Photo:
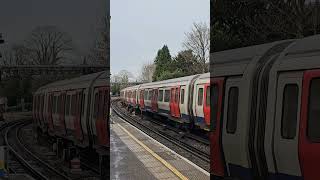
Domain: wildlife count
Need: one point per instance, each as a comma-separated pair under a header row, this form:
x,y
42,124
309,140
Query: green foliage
x,y
184,64
237,23
187,63
162,62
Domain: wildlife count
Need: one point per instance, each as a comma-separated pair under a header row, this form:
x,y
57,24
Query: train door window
x,y
232,110
215,100
200,96
55,104
160,97
313,127
83,103
95,106
172,95
289,111
177,95
100,105
208,96
68,105
59,104
166,95
182,96
73,105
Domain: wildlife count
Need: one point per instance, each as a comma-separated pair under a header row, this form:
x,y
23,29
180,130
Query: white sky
x,y
140,27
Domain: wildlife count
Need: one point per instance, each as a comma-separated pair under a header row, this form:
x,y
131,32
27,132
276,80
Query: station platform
x,y
135,156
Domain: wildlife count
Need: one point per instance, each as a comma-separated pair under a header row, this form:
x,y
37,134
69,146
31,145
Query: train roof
x,y
302,54
169,81
236,61
79,82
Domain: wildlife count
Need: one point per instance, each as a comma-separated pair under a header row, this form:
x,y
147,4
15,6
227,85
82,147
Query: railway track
x,y
35,166
170,136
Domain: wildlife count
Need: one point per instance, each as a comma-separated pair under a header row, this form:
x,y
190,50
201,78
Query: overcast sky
x,y
140,27
78,18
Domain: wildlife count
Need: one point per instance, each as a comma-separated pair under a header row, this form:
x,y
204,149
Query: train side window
x,y
200,96
68,105
166,95
145,94
232,113
150,94
313,126
289,111
182,96
214,109
160,97
208,96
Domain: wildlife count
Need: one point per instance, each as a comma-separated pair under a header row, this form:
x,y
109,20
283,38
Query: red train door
x,y
217,163
101,122
77,118
172,100
142,99
309,135
154,100
206,106
176,102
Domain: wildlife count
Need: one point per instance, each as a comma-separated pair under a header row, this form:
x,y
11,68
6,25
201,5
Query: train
x,y
184,101
75,110
265,105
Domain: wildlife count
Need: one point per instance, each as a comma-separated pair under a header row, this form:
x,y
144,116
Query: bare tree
x,y
124,77
48,45
147,72
99,53
198,40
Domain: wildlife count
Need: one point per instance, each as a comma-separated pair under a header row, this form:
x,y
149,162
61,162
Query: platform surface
x,y
136,156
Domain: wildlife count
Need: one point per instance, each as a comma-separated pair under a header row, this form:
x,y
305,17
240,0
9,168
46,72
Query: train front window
x,y
232,113
313,126
200,96
289,111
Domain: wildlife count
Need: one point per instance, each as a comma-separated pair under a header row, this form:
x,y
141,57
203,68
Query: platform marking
x,y
164,162
185,159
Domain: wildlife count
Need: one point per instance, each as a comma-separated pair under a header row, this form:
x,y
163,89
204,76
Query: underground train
x,y
185,100
76,110
265,110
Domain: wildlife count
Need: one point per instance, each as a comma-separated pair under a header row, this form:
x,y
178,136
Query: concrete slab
x,y
132,147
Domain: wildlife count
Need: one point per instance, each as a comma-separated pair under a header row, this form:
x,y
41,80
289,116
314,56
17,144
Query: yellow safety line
x,y
169,166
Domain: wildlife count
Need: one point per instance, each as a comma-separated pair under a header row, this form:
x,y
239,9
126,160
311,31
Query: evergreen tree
x,y
163,62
